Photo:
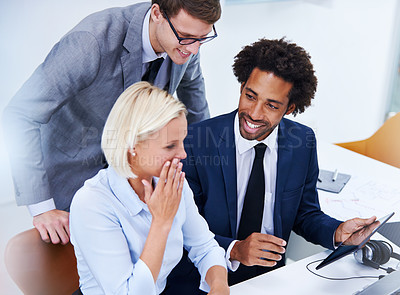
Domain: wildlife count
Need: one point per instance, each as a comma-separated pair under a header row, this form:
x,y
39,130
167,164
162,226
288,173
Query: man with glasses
x,y
55,121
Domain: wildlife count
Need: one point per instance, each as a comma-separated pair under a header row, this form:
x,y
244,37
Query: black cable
x,y
388,270
337,279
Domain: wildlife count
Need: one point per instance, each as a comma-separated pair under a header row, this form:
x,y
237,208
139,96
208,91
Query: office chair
x,y
383,145
39,268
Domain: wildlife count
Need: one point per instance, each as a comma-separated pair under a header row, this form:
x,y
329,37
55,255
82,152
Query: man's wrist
x,y
338,235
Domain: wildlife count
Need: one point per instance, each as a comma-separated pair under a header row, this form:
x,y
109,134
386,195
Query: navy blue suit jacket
x,y
210,169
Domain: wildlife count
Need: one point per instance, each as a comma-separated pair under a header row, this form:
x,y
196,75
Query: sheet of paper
x,y
364,198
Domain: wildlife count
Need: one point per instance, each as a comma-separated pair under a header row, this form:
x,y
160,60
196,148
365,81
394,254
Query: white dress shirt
x,y
109,226
244,162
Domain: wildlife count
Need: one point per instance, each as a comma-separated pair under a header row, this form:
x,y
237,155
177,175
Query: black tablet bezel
x,y
344,250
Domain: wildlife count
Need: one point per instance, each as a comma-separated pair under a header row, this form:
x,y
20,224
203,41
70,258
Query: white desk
x,y
373,189
296,279
368,176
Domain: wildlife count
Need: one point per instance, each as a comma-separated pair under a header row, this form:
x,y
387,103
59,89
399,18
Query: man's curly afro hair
x,y
285,60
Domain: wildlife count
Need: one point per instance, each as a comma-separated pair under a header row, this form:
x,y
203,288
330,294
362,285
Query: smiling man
x,y
263,102
264,184
54,123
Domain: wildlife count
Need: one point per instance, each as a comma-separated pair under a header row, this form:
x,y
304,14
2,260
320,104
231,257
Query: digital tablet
x,y
344,250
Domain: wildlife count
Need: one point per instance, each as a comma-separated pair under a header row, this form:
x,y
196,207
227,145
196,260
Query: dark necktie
x,y
152,71
253,205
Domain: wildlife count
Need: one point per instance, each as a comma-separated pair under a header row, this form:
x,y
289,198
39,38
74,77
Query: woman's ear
x,y
131,153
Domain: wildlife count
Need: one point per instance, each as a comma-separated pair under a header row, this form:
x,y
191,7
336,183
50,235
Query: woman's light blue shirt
x,y
109,225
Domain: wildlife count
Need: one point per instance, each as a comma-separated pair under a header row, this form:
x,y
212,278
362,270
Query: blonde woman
x,y
130,222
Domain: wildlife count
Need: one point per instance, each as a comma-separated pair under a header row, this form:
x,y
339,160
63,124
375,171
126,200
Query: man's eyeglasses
x,y
187,41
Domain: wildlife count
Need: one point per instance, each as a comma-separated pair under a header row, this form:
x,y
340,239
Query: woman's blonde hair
x,y
139,111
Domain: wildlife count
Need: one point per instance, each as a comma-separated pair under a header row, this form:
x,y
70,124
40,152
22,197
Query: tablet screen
x,y
344,250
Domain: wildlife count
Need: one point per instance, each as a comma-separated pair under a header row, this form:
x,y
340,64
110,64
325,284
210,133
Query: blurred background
x,y
354,45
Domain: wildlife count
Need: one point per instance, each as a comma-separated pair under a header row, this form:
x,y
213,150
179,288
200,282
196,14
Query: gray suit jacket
x,y
53,125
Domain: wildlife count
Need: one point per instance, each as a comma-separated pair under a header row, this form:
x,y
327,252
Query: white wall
x,y
352,48
350,41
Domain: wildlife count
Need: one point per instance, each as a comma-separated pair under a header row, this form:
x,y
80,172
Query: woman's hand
x,y
164,202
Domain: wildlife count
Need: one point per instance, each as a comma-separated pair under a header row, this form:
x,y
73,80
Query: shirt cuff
x,y
41,207
234,264
143,282
335,246
214,257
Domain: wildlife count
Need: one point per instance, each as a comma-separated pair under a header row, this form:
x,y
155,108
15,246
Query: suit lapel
x,y
285,154
132,61
227,154
177,72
